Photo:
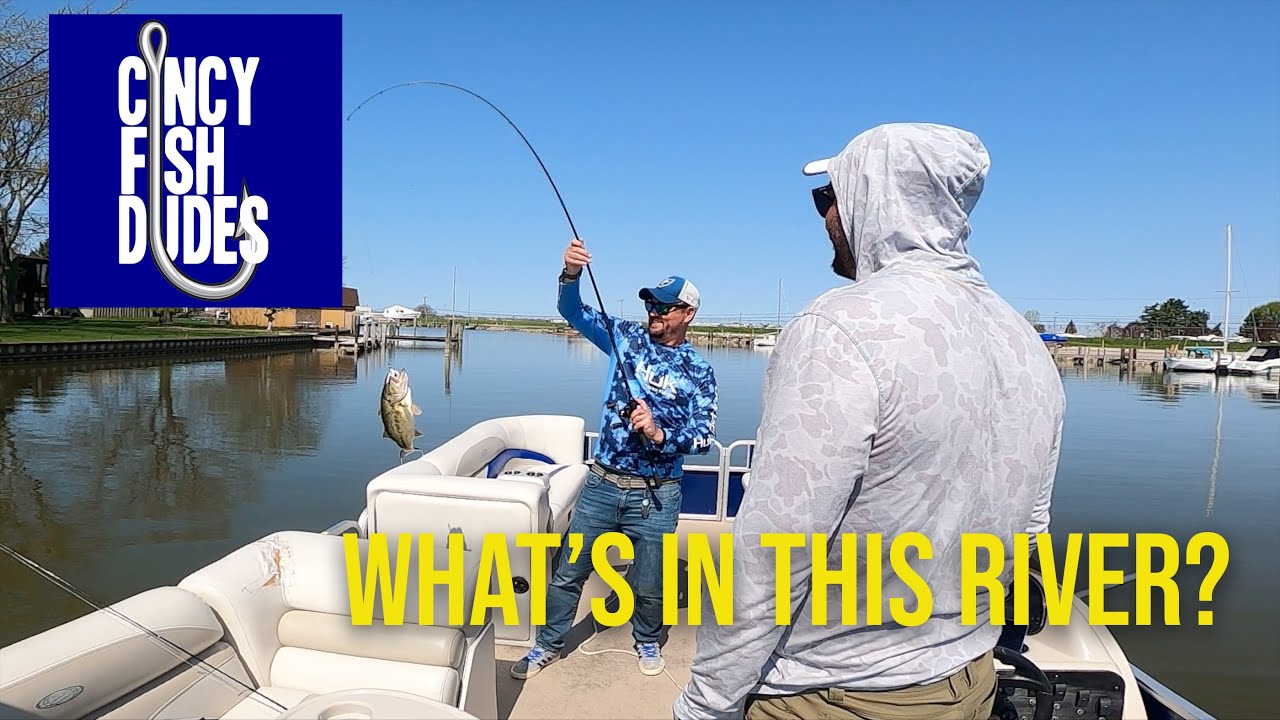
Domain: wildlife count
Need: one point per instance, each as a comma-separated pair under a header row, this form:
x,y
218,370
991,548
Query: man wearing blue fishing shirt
x,y
634,486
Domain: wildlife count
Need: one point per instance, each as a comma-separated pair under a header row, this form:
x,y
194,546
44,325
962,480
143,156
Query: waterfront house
x,y
342,319
33,285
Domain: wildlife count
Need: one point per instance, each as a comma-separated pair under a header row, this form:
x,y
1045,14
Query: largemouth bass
x,y
397,411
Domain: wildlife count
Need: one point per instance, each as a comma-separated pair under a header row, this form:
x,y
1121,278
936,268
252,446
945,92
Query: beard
x,y
843,264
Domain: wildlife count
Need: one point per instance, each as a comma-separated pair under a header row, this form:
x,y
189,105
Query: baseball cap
x,y
672,290
816,167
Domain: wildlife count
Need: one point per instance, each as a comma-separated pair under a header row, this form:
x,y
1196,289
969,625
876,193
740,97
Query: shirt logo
x,y
658,384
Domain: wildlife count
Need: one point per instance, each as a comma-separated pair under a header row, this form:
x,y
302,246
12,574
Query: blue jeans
x,y
604,507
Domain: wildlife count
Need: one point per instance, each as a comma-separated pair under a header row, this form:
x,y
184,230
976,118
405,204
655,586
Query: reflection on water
x,y
116,454
124,474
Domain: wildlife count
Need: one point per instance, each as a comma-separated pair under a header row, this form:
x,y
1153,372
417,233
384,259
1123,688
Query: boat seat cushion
x,y
318,672
98,658
253,707
325,632
556,437
286,604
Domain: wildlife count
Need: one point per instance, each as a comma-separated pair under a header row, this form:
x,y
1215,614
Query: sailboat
x,y
772,339
1202,359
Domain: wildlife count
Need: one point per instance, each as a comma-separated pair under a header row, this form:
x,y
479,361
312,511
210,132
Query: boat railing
x,y
725,474
711,491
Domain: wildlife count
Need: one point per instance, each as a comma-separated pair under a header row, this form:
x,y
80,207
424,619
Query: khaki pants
x,y
969,694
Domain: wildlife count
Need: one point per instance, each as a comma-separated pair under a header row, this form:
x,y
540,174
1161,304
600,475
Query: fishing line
x,y
177,650
631,402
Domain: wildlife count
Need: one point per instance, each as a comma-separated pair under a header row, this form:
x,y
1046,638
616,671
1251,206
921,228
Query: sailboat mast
x,y
1226,309
779,303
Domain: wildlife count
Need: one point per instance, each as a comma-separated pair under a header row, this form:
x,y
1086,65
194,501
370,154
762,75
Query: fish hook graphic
x,y
154,59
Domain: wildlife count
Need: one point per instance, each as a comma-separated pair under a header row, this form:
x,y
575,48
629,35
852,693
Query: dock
x,y
452,337
370,336
366,337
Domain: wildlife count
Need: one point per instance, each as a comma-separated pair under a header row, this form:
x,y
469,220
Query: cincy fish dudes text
x,y
194,141
384,576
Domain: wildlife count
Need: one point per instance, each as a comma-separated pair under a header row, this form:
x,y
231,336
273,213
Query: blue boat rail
x,y
710,492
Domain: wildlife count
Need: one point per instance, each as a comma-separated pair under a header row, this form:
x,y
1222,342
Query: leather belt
x,y
625,481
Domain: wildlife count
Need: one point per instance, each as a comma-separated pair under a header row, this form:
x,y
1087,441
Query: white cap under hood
x,y
905,192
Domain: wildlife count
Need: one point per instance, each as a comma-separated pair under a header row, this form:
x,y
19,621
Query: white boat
x,y
1197,359
772,339
1260,360
267,631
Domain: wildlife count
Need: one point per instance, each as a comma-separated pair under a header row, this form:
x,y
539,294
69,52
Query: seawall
x,y
73,349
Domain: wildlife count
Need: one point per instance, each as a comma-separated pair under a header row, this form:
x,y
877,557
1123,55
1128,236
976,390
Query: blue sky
x,y
1124,138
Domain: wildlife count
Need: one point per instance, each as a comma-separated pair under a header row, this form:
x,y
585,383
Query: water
x,y
124,474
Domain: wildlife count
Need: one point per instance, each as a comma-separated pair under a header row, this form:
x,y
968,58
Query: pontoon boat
x,y
267,631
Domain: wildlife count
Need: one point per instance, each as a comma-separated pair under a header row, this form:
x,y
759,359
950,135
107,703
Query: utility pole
x,y
621,313
453,302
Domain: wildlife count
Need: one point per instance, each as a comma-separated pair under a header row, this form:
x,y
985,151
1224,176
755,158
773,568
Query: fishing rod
x,y
631,400
177,650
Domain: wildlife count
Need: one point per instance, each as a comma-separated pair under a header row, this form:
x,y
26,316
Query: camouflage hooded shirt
x,y
676,383
914,400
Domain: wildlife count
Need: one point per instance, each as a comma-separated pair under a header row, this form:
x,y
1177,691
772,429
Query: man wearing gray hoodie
x,y
914,400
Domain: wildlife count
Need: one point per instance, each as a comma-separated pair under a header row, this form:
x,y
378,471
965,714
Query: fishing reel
x,y
624,411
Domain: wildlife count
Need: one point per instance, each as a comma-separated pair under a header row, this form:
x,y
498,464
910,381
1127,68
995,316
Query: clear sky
x,y
1124,138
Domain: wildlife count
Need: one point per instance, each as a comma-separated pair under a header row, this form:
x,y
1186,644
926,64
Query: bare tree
x,y
24,141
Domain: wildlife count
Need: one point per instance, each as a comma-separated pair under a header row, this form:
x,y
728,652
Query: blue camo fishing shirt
x,y
678,385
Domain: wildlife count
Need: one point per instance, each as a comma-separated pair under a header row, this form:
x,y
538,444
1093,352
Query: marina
x,y
299,458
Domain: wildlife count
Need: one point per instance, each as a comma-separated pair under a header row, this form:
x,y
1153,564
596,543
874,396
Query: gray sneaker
x,y
651,662
533,663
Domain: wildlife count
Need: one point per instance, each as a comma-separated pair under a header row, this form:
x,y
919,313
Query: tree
x,y
1262,324
166,314
1071,328
1173,317
24,142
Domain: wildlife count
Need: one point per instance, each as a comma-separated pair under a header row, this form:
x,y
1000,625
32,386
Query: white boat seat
x,y
100,664
556,439
506,477
287,608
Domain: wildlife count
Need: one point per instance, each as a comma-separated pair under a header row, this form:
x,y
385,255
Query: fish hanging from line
x,y
397,411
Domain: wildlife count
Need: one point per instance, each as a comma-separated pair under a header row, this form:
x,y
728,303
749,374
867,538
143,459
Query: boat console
x,y
1059,672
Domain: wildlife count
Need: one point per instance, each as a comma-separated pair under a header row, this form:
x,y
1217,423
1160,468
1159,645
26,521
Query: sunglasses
x,y
659,308
823,198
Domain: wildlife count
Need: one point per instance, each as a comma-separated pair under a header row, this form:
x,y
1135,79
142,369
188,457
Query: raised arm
x,y
584,319
820,413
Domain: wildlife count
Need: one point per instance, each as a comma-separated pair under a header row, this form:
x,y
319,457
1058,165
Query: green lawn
x,y
73,329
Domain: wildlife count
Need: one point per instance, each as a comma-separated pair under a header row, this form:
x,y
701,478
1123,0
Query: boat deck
x,y
605,686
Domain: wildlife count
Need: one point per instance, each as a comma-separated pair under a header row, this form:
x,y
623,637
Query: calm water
x,y
120,475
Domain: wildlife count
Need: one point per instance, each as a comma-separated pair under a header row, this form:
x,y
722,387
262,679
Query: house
x,y
342,318
400,312
33,285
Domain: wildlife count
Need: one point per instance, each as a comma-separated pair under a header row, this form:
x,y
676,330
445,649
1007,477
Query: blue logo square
x,y
246,113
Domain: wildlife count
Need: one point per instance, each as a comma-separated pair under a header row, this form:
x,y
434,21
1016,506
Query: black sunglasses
x,y
823,198
659,308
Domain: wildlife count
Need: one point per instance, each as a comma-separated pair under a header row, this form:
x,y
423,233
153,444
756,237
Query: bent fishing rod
x,y
178,651
631,400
